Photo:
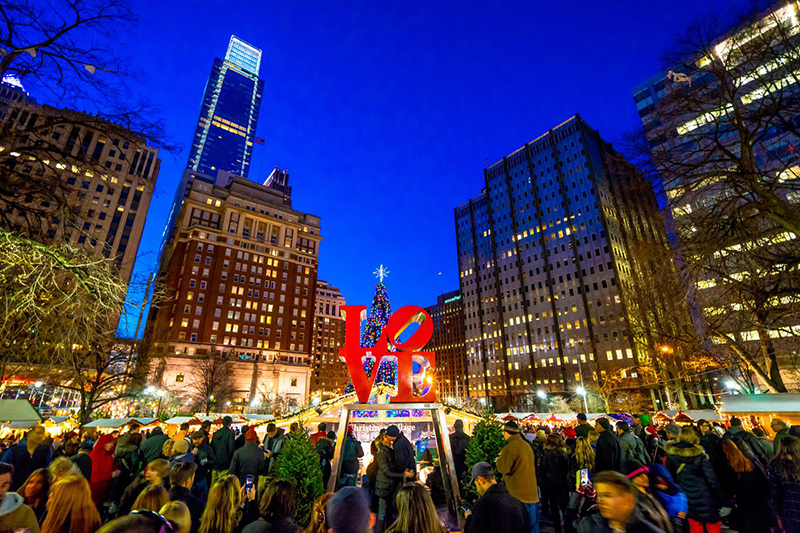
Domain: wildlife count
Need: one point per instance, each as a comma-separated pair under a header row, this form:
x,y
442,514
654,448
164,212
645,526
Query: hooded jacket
x,y
694,474
249,460
633,447
14,514
153,447
102,466
608,453
458,443
224,444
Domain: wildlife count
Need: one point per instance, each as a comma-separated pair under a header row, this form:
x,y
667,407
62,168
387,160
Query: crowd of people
x,y
601,477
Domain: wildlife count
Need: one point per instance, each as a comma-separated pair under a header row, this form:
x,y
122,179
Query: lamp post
x,y
582,392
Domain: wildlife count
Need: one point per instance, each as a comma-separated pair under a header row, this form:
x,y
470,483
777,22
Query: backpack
x,y
674,504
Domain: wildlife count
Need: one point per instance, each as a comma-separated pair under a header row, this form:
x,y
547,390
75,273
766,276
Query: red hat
x,y
570,433
651,430
251,435
349,430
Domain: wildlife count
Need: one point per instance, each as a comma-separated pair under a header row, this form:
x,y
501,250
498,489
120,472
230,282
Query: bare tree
x,y
211,383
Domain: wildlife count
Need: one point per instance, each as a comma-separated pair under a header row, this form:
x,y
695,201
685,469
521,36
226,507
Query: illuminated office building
x,y
448,344
329,371
544,255
226,129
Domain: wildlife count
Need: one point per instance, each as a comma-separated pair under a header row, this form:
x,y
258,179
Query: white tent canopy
x,y
761,403
18,411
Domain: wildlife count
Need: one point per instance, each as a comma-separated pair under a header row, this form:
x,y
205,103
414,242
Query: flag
x,y
259,140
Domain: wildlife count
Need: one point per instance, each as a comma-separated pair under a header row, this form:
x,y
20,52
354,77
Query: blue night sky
x,y
386,112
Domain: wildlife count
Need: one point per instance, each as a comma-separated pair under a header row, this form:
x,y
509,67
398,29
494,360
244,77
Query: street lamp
x,y
582,392
732,385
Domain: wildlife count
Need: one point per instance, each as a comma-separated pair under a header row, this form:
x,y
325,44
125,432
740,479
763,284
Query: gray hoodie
x,y
14,514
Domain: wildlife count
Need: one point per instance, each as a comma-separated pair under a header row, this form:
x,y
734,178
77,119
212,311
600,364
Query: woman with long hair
x,y
554,477
178,515
222,513
582,459
70,508
152,498
751,490
102,467
276,509
415,511
36,490
319,521
784,477
62,467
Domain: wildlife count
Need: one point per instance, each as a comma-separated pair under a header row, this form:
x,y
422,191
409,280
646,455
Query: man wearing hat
x,y
608,452
223,443
517,464
249,460
496,511
204,458
584,428
648,504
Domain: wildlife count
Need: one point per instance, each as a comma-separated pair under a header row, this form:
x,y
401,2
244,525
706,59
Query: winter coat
x,y
223,443
694,474
778,436
279,525
652,510
458,443
633,447
404,454
249,460
583,429
14,514
555,473
351,453
785,498
324,449
152,448
131,493
102,467
318,435
766,447
751,500
608,453
518,466
435,484
748,444
84,463
709,442
497,512
389,476
274,445
595,523
25,463
204,458
195,504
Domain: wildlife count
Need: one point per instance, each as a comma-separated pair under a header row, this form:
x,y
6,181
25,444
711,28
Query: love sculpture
x,y
354,354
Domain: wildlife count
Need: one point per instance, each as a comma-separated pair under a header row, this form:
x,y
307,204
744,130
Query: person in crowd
x,y
62,467
388,479
167,451
249,460
102,456
325,449
708,438
649,506
204,457
205,427
153,447
652,443
496,511
784,477
319,514
126,460
28,455
224,444
152,498
372,469
154,474
181,478
690,468
276,509
570,437
14,513
322,433
351,453
83,460
608,451
618,511
537,445
781,429
36,490
70,508
181,453
764,443
459,441
404,453
68,446
584,428
582,459
178,515
746,441
349,512
638,428
669,495
139,522
435,486
554,478
518,466
273,444
632,446
223,513
751,491
415,511
183,433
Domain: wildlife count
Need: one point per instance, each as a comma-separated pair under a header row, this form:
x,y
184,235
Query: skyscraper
x,y
546,268
226,129
448,345
330,374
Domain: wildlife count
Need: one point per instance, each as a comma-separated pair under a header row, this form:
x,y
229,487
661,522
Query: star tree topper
x,y
381,273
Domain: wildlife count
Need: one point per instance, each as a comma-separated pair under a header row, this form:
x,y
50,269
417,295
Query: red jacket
x,y
102,467
316,436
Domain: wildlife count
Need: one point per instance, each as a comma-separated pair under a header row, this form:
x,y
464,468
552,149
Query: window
x,y
294,382
179,378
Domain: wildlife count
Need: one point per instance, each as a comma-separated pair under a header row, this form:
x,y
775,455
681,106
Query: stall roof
x,y
761,403
181,420
697,414
18,411
118,422
22,424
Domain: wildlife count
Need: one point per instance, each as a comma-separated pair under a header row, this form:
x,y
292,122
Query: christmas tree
x,y
379,314
485,445
298,463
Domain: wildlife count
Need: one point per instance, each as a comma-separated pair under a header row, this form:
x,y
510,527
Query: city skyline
x,y
346,159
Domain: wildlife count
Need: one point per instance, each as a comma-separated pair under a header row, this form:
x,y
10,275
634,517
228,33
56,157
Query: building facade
x,y
330,374
545,264
226,129
240,277
101,178
449,344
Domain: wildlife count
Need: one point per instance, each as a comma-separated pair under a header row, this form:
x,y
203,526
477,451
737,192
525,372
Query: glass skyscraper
x,y
226,128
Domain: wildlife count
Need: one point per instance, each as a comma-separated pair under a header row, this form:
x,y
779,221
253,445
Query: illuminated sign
x,y
407,353
453,299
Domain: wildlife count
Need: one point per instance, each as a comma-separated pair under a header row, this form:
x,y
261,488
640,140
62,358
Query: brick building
x,y
449,344
330,374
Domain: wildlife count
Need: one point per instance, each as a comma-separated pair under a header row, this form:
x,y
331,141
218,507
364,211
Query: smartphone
x,y
583,477
248,483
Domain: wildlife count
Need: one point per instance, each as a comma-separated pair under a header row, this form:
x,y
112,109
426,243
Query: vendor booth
x,y
759,409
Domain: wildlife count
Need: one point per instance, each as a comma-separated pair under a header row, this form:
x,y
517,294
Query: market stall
x,y
107,425
17,417
759,409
